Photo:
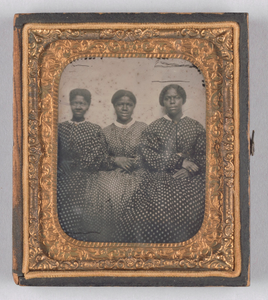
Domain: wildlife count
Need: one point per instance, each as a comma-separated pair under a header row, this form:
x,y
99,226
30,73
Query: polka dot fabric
x,y
124,141
166,209
80,154
109,193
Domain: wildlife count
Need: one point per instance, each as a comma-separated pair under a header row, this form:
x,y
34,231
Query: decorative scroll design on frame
x,y
50,51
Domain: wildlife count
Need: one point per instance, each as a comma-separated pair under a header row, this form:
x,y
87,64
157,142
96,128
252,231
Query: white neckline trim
x,y
73,122
168,118
126,126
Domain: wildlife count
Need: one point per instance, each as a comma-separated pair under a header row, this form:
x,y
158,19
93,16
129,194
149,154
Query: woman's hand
x,y
182,173
190,166
125,163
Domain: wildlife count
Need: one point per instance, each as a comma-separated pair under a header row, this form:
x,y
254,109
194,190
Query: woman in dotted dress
x,y
80,154
169,205
107,197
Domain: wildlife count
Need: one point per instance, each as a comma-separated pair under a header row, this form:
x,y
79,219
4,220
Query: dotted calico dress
x,y
166,209
80,154
110,192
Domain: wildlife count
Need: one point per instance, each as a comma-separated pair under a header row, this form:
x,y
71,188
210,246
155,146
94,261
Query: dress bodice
x,y
81,143
124,141
163,140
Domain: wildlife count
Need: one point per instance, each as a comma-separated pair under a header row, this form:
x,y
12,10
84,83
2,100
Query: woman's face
x,y
79,107
173,102
124,108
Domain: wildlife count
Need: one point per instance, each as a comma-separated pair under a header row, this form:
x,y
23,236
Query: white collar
x,y
126,126
73,122
168,118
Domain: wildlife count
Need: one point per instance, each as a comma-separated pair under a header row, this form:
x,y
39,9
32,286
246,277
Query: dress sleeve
x,y
59,157
64,162
138,157
93,152
199,157
155,155
108,162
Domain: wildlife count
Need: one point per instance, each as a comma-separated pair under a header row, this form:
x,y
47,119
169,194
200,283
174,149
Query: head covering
x,y
123,93
80,92
176,87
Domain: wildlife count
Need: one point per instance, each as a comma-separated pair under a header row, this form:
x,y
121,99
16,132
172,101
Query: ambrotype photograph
x,y
134,169
131,150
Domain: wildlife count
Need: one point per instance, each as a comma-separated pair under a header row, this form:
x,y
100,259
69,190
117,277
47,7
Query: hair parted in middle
x,y
180,90
80,92
123,93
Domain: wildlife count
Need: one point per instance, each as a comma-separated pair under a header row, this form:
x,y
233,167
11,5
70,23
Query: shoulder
x,y
108,128
140,125
157,126
94,129
159,123
191,122
92,125
63,125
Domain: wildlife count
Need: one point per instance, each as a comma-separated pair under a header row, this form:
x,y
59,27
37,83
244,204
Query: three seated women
x,y
148,182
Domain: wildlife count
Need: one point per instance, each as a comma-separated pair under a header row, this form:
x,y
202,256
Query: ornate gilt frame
x,y
47,48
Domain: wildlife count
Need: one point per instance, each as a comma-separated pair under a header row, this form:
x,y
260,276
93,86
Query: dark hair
x,y
80,92
176,87
123,93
